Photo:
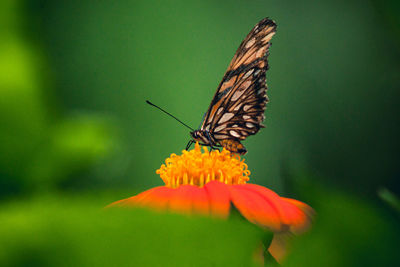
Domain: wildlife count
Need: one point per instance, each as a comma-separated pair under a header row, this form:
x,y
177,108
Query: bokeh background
x,y
76,133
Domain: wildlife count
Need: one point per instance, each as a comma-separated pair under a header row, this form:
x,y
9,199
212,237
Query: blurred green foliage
x,y
75,232
347,231
74,77
41,144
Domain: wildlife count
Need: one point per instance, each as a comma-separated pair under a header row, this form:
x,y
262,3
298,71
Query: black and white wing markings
x,y
237,108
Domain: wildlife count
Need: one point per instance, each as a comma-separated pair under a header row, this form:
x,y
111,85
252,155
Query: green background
x,y
75,128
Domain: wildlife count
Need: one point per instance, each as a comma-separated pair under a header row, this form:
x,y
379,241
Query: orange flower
x,y
208,183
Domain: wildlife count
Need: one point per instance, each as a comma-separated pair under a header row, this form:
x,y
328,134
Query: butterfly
x,y
237,108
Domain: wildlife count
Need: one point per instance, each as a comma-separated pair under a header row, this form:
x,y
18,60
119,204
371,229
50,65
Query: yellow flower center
x,y
197,168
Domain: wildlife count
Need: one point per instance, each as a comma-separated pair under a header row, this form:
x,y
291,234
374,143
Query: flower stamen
x,y
196,168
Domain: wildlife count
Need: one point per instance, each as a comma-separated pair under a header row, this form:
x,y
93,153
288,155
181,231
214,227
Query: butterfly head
x,y
201,136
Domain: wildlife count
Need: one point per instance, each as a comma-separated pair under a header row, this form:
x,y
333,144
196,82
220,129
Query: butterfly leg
x,y
211,144
189,144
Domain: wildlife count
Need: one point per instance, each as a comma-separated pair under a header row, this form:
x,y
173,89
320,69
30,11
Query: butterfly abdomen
x,y
233,146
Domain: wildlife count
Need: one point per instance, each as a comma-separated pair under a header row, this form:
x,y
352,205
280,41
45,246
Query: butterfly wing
x,y
237,108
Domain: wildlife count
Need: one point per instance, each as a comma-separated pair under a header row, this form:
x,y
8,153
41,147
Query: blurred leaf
x,y
347,232
73,145
9,17
389,198
49,232
269,260
40,148
23,115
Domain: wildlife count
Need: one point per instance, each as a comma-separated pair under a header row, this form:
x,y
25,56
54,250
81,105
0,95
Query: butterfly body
x,y
207,139
237,108
204,137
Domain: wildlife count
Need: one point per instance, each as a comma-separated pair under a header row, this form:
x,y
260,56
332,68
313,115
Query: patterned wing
x,y
237,109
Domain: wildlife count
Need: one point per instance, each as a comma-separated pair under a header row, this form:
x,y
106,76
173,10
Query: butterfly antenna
x,y
169,114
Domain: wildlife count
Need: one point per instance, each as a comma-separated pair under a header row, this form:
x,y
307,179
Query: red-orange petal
x,y
219,198
257,204
274,199
262,206
201,202
255,208
157,198
212,199
181,200
279,245
302,217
